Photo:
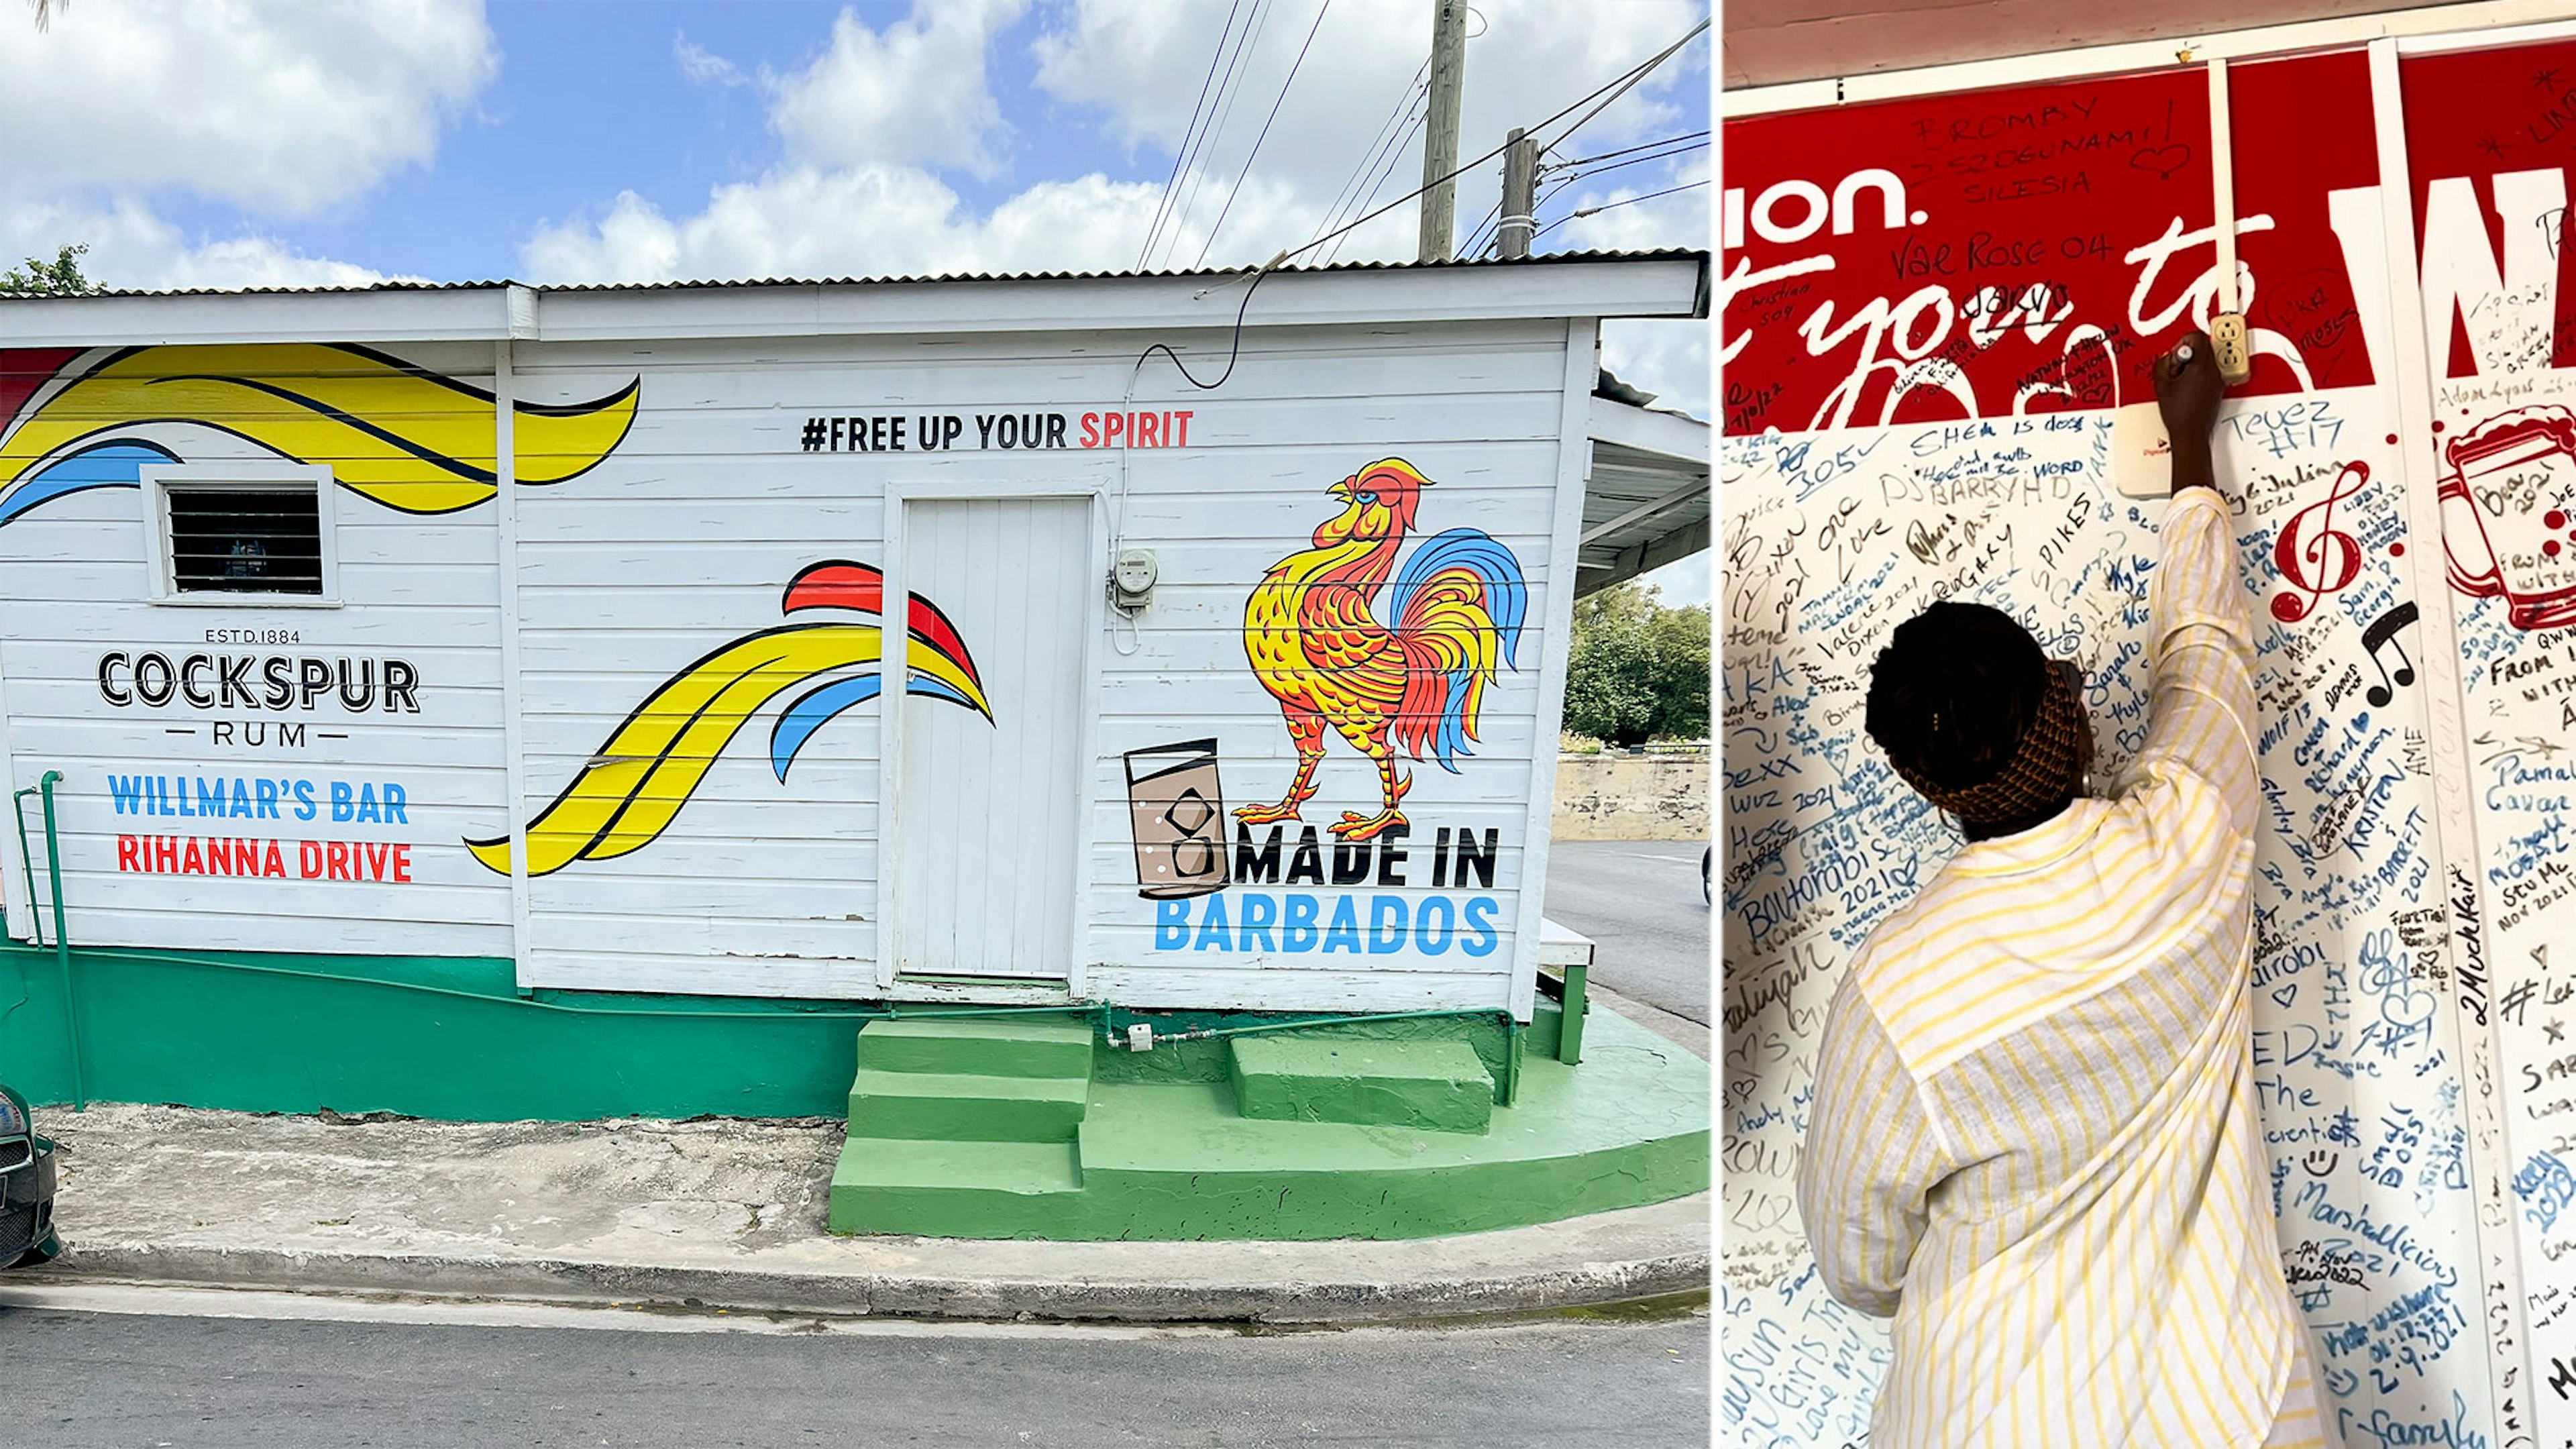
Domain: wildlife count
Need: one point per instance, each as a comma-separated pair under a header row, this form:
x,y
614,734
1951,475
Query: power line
x,y
1566,172
1571,173
1228,92
1348,193
1620,85
1385,173
1630,80
1253,279
1281,99
1701,136
1163,204
1370,178
1615,205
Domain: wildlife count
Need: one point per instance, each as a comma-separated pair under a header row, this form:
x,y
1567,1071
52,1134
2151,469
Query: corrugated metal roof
x,y
1668,254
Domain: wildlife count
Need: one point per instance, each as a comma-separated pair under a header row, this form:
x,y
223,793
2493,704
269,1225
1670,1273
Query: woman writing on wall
x,y
2034,1139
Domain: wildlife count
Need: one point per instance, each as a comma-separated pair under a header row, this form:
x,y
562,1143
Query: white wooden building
x,y
490,620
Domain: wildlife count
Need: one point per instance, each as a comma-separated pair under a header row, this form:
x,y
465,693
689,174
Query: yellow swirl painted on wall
x,y
634,786
408,438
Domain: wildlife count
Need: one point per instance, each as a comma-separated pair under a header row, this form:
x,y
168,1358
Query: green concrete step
x,y
953,1189
1001,1046
1174,1160
966,1106
1435,1086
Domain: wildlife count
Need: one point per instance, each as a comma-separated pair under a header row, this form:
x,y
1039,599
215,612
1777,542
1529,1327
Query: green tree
x,y
59,278
1678,642
1638,670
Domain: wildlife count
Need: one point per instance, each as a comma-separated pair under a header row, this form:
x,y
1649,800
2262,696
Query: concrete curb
x,y
1338,1283
728,1213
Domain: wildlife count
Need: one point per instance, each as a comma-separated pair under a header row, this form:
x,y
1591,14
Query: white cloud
x,y
131,247
1141,63
914,92
854,197
703,66
868,221
285,111
1666,358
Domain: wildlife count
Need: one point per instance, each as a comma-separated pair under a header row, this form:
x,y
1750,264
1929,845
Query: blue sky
x,y
192,144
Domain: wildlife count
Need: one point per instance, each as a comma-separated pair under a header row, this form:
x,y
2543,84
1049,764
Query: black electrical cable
x,y
1624,150
1234,352
1571,173
1626,164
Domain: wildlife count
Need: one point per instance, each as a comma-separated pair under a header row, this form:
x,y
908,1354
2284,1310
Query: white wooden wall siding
x,y
416,588
682,541
989,834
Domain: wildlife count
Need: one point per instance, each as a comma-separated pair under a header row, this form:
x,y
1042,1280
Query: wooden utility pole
x,y
1440,128
1520,195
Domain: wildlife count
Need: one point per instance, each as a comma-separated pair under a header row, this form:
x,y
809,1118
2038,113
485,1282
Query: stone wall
x,y
1632,797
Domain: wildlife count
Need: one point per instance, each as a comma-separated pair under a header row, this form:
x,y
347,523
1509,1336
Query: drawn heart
x,y
2162,160
2285,993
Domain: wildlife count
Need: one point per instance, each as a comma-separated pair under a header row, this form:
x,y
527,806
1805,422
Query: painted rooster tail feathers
x,y
1458,607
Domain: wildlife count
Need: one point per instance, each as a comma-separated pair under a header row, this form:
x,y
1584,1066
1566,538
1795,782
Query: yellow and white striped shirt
x,y
2033,1140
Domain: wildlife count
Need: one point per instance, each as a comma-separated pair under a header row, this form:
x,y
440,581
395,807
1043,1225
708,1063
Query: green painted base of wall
x,y
423,1036
451,1038
1165,1155
1146,1146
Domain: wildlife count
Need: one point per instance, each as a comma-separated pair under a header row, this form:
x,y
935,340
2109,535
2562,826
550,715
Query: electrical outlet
x,y
2227,335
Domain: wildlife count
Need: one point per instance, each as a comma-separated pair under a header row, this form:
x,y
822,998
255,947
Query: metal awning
x,y
1646,502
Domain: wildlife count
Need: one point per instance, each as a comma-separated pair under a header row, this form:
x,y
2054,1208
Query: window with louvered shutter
x,y
241,533
245,541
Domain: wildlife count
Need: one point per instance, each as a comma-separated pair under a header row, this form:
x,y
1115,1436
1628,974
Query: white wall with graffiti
x,y
1929,309
614,699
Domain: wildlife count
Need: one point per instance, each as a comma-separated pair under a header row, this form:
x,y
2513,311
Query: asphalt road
x,y
79,1378
1639,901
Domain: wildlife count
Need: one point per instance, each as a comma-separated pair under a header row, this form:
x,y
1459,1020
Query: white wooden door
x,y
988,832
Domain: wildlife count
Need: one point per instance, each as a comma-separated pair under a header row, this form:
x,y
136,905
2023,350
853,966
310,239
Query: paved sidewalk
x,y
728,1213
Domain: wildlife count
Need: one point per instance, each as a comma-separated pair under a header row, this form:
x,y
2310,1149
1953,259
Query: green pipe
x,y
423,988
1577,1001
1512,1061
1319,1021
856,1013
62,935
27,858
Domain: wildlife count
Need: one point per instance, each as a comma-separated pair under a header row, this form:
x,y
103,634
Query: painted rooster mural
x,y
1313,633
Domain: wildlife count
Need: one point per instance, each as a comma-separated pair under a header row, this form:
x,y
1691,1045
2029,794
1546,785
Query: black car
x,y
26,1187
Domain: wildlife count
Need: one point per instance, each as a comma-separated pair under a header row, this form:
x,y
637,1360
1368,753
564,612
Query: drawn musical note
x,y
2313,554
2382,634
